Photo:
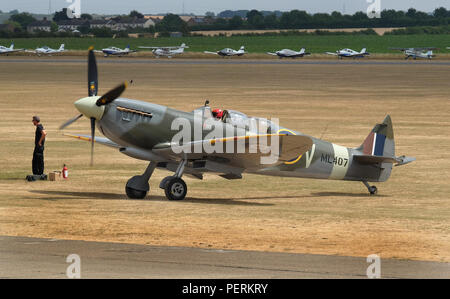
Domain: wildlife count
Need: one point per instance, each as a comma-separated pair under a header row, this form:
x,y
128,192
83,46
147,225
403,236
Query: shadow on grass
x,y
116,196
345,194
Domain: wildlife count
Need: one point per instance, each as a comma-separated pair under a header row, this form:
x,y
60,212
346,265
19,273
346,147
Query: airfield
x,y
339,101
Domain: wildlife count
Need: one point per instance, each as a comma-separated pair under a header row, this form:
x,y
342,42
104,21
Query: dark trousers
x,y
38,160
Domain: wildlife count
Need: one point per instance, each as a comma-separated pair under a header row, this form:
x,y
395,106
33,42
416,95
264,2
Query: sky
x,y
199,7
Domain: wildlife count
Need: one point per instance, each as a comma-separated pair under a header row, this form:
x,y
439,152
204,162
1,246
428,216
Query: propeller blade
x,y
112,94
92,74
92,139
70,121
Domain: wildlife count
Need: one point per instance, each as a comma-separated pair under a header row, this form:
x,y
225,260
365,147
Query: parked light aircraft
x,y
229,52
146,131
167,51
417,52
114,51
7,51
45,50
289,53
349,53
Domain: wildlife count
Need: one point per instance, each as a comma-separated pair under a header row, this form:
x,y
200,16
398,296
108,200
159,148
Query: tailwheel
x,y
175,188
372,189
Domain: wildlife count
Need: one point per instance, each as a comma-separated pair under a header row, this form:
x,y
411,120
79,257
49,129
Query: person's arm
x,y
42,137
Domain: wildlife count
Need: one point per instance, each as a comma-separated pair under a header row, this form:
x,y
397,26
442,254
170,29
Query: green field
x,y
253,44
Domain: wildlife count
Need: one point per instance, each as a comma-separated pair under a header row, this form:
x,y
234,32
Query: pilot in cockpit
x,y
217,113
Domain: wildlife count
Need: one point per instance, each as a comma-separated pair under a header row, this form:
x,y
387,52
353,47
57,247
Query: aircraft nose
x,y
87,106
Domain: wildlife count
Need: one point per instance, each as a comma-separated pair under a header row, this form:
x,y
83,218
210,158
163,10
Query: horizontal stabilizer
x,y
368,159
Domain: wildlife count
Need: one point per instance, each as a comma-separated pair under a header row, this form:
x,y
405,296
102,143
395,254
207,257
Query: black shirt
x,y
39,129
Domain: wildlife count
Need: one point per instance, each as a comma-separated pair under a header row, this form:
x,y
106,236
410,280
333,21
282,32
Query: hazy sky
x,y
202,6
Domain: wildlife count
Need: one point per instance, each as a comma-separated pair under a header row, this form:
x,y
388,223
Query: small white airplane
x,y
289,53
7,51
229,52
114,51
167,51
349,53
47,50
417,52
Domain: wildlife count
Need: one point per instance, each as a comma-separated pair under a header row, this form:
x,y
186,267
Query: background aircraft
x,y
229,52
289,53
167,51
47,50
417,52
142,130
114,51
349,53
6,51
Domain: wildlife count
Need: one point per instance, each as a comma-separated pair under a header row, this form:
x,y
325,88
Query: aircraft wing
x,y
164,48
270,53
290,147
208,52
100,140
331,53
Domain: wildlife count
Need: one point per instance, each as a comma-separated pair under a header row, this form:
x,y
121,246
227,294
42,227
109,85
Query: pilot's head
x,y
217,113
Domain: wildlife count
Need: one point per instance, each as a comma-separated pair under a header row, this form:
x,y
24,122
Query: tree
x,y
441,12
172,23
235,22
60,15
210,14
24,19
136,14
255,19
86,16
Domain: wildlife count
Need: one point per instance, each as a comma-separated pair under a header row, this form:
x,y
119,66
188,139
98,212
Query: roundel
x,y
289,132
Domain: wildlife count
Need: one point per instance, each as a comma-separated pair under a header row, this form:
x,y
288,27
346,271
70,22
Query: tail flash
x,y
380,141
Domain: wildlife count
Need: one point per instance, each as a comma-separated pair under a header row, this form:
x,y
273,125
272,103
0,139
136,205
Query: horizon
x,y
186,7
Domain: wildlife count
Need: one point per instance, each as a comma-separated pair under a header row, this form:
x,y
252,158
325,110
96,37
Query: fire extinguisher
x,y
65,172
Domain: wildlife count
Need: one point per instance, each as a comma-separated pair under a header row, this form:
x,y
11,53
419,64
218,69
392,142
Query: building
x,y
71,25
43,25
128,23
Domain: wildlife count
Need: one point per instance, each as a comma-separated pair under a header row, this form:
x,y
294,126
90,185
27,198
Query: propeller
x,y
91,106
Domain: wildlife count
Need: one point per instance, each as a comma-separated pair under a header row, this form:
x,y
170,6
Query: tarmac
x,y
24,257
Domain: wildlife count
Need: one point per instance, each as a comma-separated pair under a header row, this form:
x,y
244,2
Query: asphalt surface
x,y
224,61
23,257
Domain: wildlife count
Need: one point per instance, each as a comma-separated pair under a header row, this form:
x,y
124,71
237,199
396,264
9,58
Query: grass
x,y
409,219
254,44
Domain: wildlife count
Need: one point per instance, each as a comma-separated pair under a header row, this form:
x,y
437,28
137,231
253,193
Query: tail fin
x,y
302,51
242,48
364,50
183,45
380,141
128,47
61,48
12,46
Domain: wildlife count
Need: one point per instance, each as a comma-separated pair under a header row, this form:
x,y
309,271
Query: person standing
x,y
39,140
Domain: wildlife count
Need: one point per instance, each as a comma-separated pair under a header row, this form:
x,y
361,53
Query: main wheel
x,y
373,190
135,194
175,189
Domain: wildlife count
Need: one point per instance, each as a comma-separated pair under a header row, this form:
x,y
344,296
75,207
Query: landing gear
x,y
174,186
137,187
372,189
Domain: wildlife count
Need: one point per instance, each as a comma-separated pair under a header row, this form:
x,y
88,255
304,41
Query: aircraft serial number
x,y
338,161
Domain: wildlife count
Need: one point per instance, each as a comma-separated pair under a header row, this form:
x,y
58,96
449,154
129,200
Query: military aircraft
x,y
45,50
7,51
417,52
114,51
228,52
167,51
146,131
349,53
289,53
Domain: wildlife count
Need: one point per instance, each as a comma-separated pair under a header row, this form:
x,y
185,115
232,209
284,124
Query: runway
x,y
223,61
23,257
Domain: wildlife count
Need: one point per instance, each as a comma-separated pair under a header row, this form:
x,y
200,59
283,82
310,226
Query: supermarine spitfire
x,y
146,131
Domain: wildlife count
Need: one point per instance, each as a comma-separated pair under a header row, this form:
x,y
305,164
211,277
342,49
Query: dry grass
x,y
409,219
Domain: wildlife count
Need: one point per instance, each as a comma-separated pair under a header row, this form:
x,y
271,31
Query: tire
x,y
373,190
175,189
135,194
